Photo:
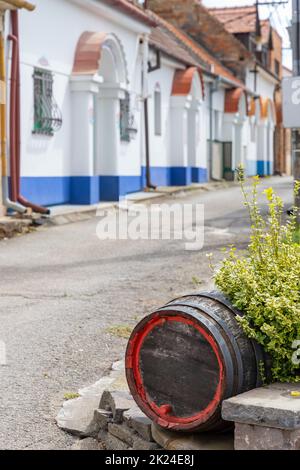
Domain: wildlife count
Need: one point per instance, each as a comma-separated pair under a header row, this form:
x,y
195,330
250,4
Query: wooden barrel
x,y
183,360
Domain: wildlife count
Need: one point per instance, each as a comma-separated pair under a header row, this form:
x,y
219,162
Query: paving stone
x,y
141,444
103,417
121,432
171,440
87,444
117,402
113,443
251,437
270,406
77,416
138,421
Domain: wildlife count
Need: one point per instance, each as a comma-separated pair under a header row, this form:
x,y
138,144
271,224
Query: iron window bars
x,y
127,121
47,115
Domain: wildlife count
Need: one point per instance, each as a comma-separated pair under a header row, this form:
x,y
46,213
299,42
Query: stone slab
x,y
117,401
138,421
171,440
270,406
250,437
77,416
121,432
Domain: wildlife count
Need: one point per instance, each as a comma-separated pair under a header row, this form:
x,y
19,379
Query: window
x,y
157,111
277,67
47,116
125,118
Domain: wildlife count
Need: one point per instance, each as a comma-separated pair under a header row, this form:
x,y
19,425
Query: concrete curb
x,y
62,215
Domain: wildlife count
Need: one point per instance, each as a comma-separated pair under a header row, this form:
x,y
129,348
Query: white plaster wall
x,y
265,85
160,145
48,39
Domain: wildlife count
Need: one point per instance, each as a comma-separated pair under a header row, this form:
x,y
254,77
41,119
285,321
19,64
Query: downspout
x,y
149,185
213,88
5,186
15,118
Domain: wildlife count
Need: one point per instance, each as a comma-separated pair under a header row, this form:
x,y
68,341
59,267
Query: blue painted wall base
x,y
50,191
199,175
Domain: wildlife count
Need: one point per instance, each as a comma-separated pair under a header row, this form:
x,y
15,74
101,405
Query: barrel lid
x,y
175,370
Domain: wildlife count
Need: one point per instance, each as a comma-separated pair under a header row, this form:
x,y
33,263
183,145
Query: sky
x,y
280,17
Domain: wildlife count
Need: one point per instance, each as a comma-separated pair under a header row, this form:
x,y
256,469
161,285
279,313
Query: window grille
x,y
47,116
125,118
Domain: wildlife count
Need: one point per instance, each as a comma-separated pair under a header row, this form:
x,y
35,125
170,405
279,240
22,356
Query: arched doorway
x,y
185,154
265,141
235,131
99,84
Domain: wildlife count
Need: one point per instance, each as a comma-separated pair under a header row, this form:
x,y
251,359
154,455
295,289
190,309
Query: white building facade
x,y
84,77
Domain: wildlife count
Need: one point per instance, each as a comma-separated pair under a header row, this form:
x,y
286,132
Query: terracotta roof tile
x,y
238,20
199,54
164,41
133,10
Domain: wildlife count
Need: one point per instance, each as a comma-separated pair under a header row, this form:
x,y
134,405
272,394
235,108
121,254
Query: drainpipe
x,y
213,87
15,118
149,185
5,186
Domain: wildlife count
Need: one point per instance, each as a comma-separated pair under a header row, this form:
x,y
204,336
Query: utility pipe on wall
x,y
146,111
213,88
5,186
15,115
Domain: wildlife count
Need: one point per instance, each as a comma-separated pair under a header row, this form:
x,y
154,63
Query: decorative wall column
x,y
229,123
194,124
262,146
270,155
84,184
180,172
108,140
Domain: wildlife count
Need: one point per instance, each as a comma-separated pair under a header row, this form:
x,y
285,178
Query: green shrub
x,y
265,283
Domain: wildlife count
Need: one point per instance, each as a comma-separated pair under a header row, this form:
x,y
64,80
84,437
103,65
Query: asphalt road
x,y
62,288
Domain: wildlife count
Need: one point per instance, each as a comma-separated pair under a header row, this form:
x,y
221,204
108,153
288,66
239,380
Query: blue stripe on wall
x,y
199,175
261,168
114,187
50,191
180,176
84,189
264,168
160,176
46,190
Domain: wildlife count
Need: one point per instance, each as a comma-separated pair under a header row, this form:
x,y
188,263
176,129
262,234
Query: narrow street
x,y
62,289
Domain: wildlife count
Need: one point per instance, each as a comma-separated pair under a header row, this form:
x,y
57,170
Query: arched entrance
x,y
99,83
234,129
185,155
265,141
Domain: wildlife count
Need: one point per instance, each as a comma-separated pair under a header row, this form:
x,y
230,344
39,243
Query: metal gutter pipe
x,y
5,186
15,117
149,185
213,87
